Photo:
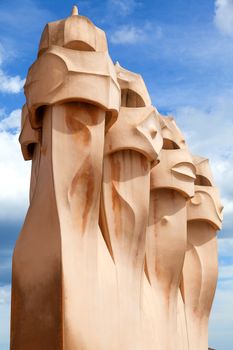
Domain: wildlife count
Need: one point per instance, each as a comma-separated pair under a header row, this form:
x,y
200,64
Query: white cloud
x,y
122,7
15,172
12,121
209,133
221,321
225,248
224,16
10,84
127,35
5,294
226,272
130,34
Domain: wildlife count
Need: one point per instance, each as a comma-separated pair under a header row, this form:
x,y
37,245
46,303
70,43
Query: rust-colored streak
x,y
147,270
139,251
115,167
84,179
89,175
128,158
157,263
86,113
116,201
157,269
81,130
74,184
144,162
94,114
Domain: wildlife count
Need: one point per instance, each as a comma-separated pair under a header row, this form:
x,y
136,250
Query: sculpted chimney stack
x,y
118,249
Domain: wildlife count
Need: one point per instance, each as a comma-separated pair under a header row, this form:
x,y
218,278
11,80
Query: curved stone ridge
x,y
119,245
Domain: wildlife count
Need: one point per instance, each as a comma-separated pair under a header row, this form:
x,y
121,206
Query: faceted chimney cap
x,y
172,135
75,32
204,173
132,87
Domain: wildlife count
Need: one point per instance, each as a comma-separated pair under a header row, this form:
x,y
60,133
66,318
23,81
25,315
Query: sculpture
x,y
171,186
111,181
132,144
201,259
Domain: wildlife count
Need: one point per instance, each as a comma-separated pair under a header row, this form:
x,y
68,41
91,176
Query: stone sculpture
x,y
132,145
170,188
201,259
120,212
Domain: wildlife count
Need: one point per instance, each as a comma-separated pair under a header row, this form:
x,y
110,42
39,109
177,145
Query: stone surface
x,y
118,249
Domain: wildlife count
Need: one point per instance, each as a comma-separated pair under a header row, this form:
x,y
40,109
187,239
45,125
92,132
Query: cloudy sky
x,y
184,51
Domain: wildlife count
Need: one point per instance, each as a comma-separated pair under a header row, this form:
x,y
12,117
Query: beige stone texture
x,y
133,89
72,98
132,146
173,138
171,185
75,32
73,76
118,249
28,137
200,269
30,140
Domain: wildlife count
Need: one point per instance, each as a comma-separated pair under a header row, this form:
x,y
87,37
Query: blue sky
x,y
184,50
